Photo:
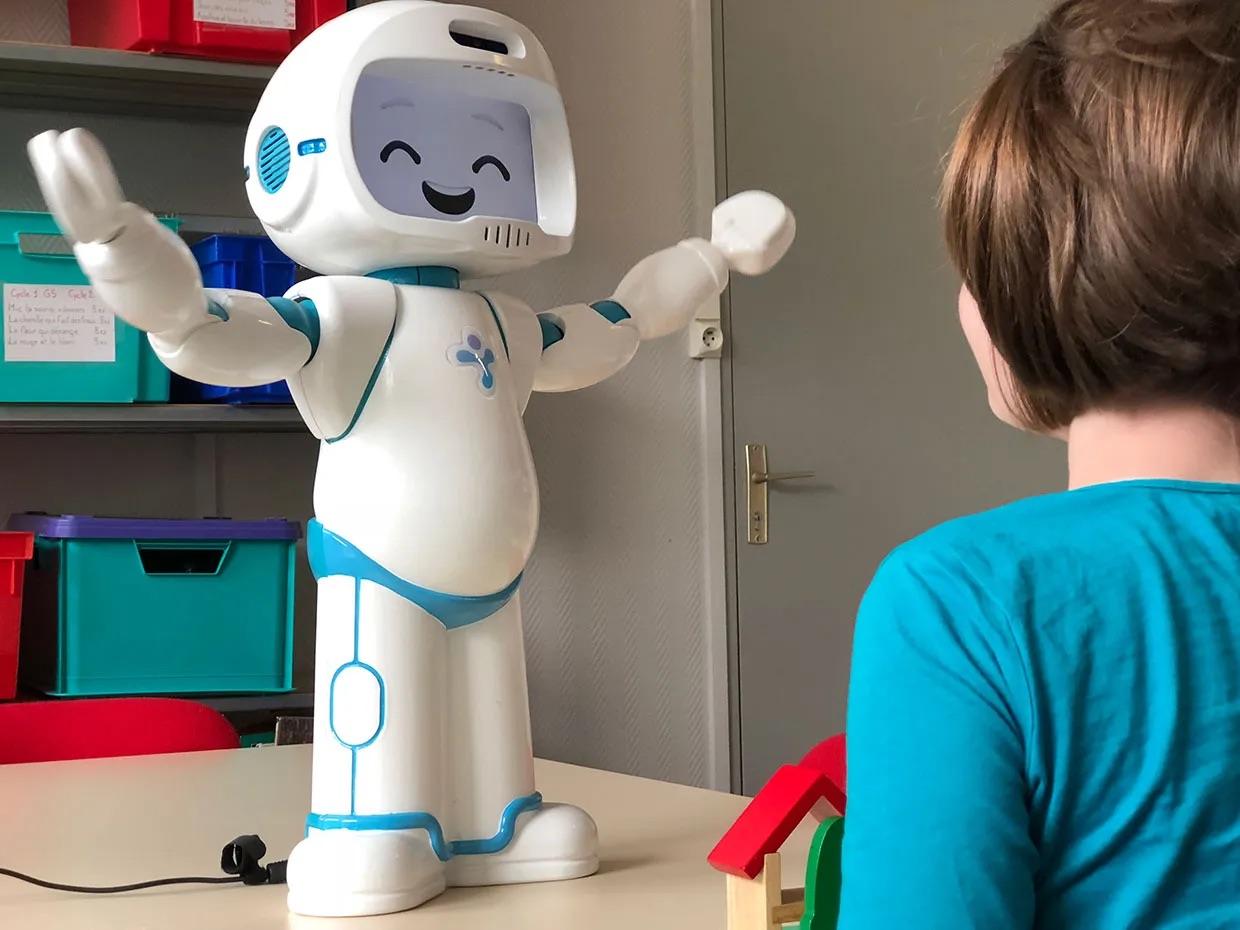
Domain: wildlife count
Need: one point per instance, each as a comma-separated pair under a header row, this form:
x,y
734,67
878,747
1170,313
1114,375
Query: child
x,y
1044,723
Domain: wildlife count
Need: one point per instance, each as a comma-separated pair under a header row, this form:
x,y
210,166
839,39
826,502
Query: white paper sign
x,y
57,323
261,14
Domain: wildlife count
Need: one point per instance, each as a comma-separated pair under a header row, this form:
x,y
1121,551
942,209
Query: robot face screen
x,y
431,152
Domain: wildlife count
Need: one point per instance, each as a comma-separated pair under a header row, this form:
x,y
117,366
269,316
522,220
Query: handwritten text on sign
x,y
57,323
263,14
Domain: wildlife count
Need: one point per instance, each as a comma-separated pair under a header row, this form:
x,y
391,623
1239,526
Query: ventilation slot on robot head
x,y
499,71
506,235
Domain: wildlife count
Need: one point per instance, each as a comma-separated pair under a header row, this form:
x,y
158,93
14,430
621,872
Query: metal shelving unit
x,y
63,78
55,77
148,418
130,83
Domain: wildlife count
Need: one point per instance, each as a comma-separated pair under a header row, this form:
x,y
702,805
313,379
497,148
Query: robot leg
x,y
373,843
503,833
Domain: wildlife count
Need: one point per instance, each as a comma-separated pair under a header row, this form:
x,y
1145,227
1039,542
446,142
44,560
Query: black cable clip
x,y
243,857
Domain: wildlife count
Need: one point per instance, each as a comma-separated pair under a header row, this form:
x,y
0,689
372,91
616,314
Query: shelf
x,y
224,703
234,704
195,225
148,418
60,77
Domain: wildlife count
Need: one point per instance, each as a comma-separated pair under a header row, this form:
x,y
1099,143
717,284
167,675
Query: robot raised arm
x,y
145,274
585,344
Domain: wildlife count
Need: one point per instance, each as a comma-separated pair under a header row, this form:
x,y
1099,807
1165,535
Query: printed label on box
x,y
259,14
56,323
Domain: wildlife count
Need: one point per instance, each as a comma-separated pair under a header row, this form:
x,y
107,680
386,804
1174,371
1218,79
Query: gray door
x,y
847,361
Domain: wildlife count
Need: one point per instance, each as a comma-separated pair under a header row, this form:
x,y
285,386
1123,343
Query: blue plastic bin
x,y
185,391
33,252
118,606
244,263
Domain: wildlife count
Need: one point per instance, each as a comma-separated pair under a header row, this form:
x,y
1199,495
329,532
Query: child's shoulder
x,y
1008,538
980,571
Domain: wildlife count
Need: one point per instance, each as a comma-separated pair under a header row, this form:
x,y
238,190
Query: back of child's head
x,y
1093,208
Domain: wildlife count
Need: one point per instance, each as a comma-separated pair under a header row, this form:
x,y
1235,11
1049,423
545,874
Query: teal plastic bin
x,y
117,606
46,353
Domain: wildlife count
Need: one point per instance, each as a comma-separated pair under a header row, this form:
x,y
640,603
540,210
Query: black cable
x,y
117,889
239,859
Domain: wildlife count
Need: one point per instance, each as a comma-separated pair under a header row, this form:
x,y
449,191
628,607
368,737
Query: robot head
x,y
411,132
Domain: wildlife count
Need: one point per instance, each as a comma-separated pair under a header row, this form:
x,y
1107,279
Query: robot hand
x,y
140,269
753,230
750,234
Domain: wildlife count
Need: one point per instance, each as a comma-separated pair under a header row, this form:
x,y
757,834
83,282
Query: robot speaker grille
x,y
274,156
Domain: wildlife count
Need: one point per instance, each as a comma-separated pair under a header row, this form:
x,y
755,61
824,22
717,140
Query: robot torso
x,y
424,464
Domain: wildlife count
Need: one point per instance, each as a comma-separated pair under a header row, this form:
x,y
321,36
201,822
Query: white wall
x,y
623,624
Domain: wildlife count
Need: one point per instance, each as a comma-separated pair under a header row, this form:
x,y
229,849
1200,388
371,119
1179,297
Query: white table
x,y
114,821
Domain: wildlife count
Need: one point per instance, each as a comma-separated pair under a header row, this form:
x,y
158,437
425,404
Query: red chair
x,y
48,731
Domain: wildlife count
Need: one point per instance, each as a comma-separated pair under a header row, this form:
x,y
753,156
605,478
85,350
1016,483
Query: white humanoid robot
x,y
400,146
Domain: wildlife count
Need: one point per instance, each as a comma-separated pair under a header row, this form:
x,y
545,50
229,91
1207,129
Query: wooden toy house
x,y
749,852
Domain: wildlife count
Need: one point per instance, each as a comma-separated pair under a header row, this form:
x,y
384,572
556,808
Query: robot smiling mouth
x,y
453,200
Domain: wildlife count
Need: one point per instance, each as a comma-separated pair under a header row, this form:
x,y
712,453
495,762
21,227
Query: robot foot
x,y
354,873
554,843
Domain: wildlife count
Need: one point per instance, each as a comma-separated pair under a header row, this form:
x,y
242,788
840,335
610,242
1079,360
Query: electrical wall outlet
x,y
705,339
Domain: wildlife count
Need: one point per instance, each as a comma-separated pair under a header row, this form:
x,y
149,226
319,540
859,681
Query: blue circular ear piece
x,y
274,157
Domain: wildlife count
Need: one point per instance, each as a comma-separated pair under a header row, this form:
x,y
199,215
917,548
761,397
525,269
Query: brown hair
x,y
1092,205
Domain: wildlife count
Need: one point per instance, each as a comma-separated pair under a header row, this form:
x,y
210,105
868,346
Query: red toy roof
x,y
771,817
830,758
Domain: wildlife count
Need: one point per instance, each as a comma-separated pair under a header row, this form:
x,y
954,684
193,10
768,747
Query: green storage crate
x,y
117,606
33,257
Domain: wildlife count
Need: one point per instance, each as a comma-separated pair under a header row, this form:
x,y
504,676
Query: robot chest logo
x,y
473,352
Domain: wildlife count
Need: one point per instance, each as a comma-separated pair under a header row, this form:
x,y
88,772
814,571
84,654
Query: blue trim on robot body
x,y
332,555
420,820
299,314
421,276
611,311
370,386
552,330
498,324
355,747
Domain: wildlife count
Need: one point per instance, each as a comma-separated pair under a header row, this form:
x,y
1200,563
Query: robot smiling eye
x,y
492,160
397,145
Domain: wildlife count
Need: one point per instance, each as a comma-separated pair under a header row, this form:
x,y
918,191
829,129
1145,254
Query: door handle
x,y
760,478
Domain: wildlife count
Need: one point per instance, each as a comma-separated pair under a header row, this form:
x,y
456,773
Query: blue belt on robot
x,y
332,555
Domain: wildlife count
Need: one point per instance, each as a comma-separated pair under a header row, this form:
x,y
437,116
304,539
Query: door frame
x,y
715,433
727,424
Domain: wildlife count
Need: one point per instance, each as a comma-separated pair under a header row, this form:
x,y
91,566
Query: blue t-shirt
x,y
1044,719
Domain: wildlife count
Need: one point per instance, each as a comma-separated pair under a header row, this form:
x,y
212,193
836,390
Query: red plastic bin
x,y
169,27
15,551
